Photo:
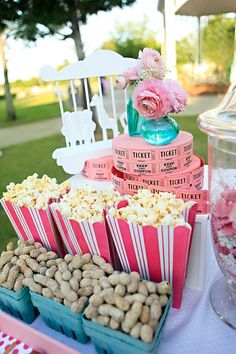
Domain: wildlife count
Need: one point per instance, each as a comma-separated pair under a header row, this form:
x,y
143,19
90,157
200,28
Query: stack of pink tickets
x,y
173,168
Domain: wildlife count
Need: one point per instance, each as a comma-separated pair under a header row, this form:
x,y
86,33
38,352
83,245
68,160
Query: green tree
x,y
8,14
60,17
63,18
185,51
218,42
127,39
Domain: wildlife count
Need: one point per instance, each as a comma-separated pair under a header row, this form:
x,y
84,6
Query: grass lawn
x,y
24,159
30,109
189,124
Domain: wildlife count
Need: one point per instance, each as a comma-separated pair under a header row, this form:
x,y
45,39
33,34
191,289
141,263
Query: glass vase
x,y
222,174
135,120
220,125
160,131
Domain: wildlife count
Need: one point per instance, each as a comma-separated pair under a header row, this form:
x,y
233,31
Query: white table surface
x,y
194,329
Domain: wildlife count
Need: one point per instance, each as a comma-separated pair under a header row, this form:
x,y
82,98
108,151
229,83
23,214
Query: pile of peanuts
x,y
116,299
70,280
128,304
20,262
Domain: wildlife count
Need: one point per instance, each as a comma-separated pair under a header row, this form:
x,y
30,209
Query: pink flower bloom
x,y
151,99
179,95
121,82
151,64
131,74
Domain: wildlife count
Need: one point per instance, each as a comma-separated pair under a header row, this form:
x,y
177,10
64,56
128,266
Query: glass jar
x,y
220,125
159,131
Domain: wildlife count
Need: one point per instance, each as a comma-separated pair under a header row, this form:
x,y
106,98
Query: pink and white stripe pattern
x,y
6,341
156,253
85,237
34,224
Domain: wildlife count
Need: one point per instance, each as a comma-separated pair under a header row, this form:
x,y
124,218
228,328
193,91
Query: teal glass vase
x,y
134,119
159,131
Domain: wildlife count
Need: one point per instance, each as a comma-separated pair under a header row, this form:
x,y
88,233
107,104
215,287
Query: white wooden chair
x,y
78,127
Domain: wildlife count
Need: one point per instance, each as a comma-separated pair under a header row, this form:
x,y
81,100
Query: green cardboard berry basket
x,y
107,340
60,317
17,304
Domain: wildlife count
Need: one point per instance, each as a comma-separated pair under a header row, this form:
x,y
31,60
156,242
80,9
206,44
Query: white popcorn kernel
x,y
147,208
34,192
88,203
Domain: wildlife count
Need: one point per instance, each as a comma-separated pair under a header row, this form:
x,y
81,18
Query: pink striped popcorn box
x,y
81,237
156,253
34,224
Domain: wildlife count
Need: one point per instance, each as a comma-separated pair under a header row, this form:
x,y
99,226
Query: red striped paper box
x,y
34,224
81,237
156,253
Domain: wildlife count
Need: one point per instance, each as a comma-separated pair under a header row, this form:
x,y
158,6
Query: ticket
x,y
186,185
191,177
98,169
135,156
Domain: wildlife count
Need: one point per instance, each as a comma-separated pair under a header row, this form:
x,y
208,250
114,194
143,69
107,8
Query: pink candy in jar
x,y
224,230
220,125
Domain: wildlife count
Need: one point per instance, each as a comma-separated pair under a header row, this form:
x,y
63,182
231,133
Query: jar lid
x,y
221,121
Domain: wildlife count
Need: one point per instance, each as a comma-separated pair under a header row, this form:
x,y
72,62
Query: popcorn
x,y
35,192
87,203
147,208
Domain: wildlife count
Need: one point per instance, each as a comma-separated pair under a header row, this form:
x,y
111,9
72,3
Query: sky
x,y
25,61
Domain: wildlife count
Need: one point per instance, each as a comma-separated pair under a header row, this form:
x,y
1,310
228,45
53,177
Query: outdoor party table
x,y
194,328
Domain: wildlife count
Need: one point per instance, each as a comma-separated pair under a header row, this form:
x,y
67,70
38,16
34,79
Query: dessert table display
x,y
104,257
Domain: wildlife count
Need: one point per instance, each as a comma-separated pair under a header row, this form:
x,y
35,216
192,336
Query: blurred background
x,y
197,44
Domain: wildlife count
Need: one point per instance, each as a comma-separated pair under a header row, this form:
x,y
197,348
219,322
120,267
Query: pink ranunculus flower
x,y
179,95
131,74
152,99
121,82
150,64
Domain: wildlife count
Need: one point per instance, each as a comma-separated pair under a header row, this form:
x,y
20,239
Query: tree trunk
x,y
11,115
76,35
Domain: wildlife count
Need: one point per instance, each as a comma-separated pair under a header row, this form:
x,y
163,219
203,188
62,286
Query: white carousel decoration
x,y
78,126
